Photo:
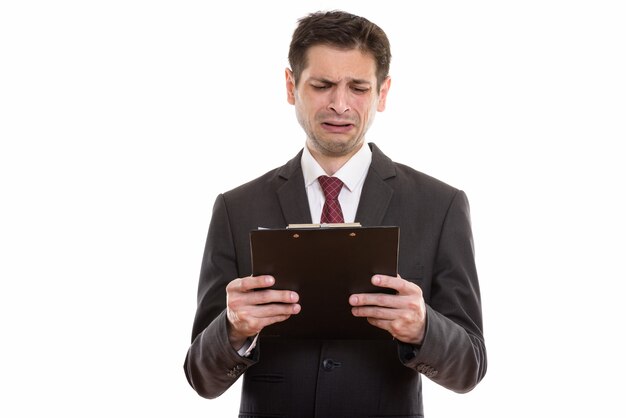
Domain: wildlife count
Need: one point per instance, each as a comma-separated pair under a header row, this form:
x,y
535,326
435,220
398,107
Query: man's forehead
x,y
336,65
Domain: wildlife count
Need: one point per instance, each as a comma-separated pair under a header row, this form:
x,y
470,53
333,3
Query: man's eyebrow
x,y
352,81
323,80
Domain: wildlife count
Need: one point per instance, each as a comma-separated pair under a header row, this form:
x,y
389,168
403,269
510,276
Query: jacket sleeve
x,y
212,365
453,351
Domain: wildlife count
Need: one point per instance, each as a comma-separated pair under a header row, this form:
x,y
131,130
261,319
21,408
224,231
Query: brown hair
x,y
341,30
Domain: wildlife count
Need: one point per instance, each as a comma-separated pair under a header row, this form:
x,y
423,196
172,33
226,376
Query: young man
x,y
337,82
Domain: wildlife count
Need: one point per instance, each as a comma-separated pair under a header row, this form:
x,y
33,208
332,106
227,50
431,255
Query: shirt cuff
x,y
248,346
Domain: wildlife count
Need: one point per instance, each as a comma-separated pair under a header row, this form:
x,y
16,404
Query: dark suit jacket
x,y
304,378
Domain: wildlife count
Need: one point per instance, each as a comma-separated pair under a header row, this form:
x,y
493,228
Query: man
x,y
337,82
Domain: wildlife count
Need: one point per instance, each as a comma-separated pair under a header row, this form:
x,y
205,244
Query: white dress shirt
x,y
352,174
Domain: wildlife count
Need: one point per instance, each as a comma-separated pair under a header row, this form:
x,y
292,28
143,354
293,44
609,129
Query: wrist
x,y
236,339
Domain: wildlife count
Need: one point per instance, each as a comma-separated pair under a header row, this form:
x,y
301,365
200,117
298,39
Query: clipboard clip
x,y
313,226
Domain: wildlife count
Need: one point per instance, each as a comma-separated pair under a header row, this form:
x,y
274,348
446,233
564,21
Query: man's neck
x,y
332,163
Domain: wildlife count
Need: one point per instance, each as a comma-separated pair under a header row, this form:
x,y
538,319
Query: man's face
x,y
336,99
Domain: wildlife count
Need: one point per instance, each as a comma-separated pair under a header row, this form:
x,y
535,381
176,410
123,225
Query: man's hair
x,y
341,30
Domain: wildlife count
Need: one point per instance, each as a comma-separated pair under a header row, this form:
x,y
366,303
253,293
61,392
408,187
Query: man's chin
x,y
336,147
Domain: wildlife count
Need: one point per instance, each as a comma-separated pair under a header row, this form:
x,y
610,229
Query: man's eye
x,y
360,89
320,87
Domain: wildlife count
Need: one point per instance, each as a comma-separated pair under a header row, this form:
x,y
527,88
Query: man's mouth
x,y
337,126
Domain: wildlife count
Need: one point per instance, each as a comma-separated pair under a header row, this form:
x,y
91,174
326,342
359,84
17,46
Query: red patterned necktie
x,y
331,213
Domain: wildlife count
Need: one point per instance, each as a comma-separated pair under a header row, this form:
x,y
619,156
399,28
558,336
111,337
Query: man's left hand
x,y
403,315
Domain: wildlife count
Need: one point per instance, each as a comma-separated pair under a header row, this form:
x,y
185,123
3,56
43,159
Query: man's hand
x,y
250,310
403,315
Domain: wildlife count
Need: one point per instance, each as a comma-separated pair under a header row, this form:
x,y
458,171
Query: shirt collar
x,y
352,172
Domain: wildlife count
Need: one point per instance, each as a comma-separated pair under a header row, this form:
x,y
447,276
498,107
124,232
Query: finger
x,y
275,309
264,322
269,296
245,301
389,282
380,323
400,331
394,330
375,312
246,284
375,299
400,285
252,321
383,324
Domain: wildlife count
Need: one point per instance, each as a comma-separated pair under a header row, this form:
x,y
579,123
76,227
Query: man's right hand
x,y
251,306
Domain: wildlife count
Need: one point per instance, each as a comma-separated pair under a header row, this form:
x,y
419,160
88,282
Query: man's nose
x,y
339,101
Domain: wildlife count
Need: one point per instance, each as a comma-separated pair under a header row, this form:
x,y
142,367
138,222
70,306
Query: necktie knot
x,y
331,212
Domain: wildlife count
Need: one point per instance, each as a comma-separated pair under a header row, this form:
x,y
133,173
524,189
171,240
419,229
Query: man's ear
x,y
382,96
291,86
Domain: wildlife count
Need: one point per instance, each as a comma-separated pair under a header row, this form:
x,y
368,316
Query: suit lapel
x,y
292,193
376,194
375,197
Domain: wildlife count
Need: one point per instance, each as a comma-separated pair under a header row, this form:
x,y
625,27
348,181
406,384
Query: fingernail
x,y
269,280
376,280
354,300
293,296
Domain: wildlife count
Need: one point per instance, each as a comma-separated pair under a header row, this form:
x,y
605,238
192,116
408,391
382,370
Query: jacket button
x,y
329,364
427,370
235,371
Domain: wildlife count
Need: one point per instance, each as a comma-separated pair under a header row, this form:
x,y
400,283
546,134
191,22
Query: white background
x,y
118,120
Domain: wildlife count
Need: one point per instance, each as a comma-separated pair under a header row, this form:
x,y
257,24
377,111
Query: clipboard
x,y
325,265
